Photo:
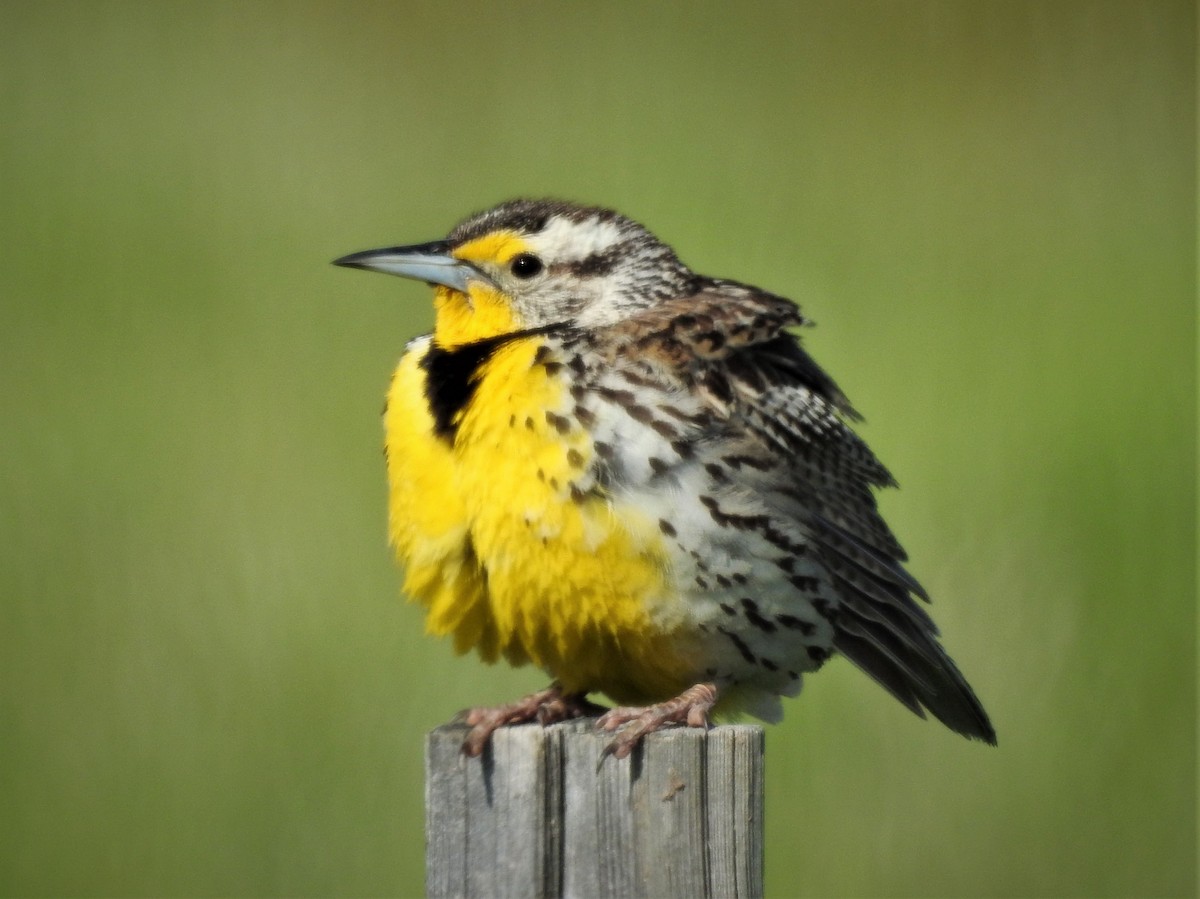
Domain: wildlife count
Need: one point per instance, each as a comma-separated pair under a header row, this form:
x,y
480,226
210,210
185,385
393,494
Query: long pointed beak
x,y
429,262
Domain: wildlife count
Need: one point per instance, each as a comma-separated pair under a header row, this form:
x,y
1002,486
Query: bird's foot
x,y
547,706
691,707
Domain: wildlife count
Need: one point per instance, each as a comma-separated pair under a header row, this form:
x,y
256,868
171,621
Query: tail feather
x,y
881,668
913,677
882,629
885,643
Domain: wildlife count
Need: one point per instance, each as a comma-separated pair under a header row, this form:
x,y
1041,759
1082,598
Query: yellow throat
x,y
506,538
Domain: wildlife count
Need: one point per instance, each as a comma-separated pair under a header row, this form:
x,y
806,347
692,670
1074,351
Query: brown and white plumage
x,y
696,428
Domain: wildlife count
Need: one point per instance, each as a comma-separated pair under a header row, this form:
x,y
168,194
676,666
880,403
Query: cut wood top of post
x,y
538,813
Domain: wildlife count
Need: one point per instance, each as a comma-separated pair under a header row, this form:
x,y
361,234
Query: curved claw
x,y
691,708
546,707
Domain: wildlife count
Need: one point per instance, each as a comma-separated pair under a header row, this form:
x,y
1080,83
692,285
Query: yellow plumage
x,y
635,478
493,544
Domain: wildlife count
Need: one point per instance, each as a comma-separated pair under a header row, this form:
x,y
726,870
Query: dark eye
x,y
526,265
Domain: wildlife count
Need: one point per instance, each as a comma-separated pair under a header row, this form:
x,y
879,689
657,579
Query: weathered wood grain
x,y
538,814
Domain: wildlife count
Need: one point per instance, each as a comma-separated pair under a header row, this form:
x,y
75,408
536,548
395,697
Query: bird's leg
x,y
691,707
546,707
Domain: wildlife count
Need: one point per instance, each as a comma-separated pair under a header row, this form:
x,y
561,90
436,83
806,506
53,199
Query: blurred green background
x,y
208,682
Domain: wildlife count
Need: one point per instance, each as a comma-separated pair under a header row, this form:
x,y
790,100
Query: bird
x,y
636,478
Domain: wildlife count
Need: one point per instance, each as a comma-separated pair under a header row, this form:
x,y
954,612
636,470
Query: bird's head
x,y
535,263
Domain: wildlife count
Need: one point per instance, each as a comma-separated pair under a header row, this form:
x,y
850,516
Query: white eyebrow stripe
x,y
563,240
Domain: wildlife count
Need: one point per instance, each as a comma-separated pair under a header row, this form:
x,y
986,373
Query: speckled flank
x,y
635,477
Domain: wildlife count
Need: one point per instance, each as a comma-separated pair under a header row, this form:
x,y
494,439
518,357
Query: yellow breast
x,y
514,547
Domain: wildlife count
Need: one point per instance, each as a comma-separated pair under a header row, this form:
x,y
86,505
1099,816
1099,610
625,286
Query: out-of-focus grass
x,y
207,683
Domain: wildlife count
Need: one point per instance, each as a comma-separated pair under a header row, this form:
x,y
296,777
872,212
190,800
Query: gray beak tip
x,y
430,262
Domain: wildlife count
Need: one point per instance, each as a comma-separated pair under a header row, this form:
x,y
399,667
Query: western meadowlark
x,y
636,478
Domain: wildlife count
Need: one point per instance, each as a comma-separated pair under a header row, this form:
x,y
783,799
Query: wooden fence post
x,y
536,815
